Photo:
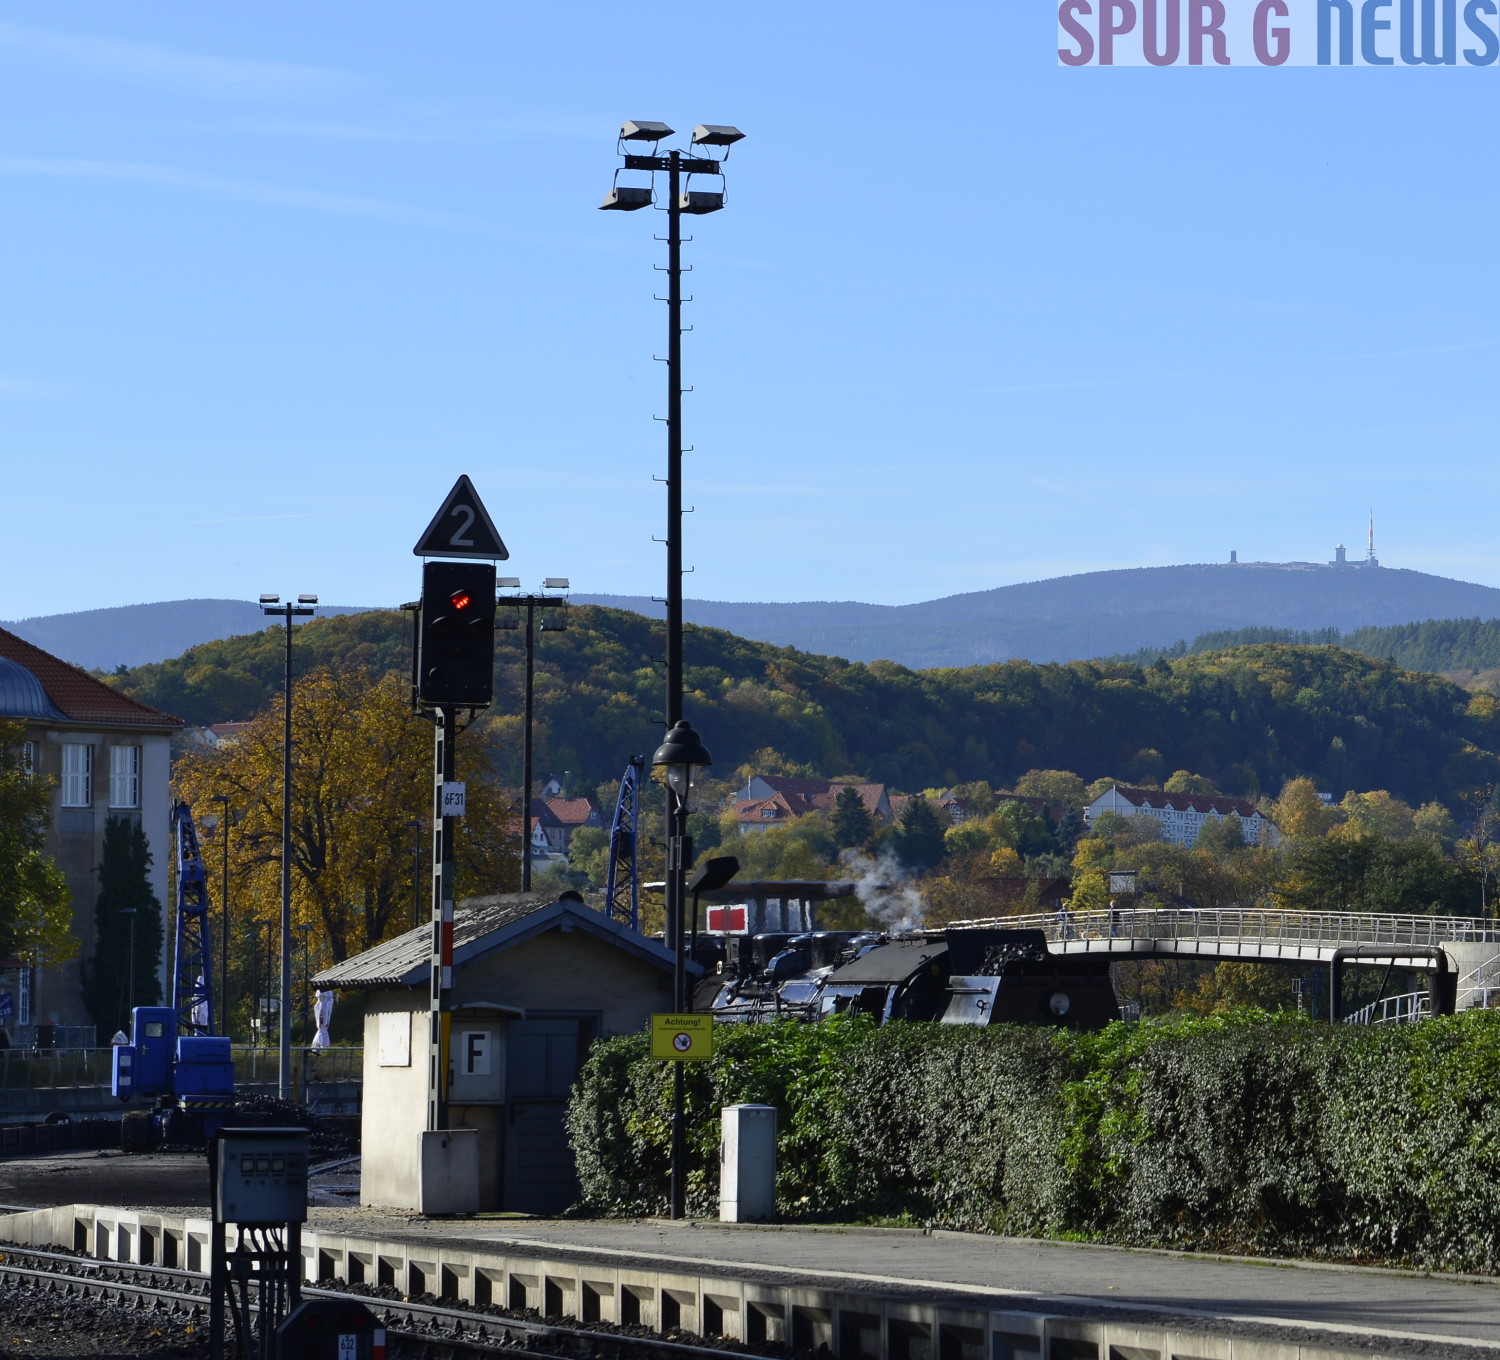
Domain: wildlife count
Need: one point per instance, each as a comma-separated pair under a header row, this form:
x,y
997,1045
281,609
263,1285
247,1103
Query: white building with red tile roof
x,y
107,755
554,820
1182,815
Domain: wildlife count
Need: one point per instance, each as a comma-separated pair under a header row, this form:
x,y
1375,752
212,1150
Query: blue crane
x,y
621,890
192,977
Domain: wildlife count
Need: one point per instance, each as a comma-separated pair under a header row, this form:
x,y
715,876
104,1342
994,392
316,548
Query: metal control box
x,y
261,1176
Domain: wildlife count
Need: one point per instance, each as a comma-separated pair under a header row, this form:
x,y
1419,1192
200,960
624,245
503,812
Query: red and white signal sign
x,y
729,920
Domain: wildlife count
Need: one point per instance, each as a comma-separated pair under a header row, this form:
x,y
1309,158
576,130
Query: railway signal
x,y
456,634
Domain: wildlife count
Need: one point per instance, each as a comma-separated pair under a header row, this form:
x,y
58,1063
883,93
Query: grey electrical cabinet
x,y
261,1176
747,1164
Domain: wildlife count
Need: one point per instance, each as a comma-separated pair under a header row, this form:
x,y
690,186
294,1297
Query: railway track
x,y
414,1331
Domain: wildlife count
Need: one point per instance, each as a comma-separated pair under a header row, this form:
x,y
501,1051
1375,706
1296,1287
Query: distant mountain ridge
x,y
1065,618
137,634
1093,614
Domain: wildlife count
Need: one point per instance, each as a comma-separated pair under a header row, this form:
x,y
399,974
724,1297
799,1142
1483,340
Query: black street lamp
x,y
681,757
556,624
271,604
225,820
716,140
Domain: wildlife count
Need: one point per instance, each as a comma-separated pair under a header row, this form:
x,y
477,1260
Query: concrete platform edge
x,y
852,1315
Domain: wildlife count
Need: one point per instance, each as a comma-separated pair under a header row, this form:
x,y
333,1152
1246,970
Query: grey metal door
x,y
542,1062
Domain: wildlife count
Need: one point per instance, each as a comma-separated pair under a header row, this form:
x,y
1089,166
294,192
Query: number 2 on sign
x,y
465,542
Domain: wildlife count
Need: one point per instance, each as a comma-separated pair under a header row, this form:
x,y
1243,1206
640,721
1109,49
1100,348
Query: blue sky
x,y
276,274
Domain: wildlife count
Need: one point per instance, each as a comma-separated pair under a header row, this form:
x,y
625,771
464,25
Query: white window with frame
x,y
77,774
124,776
28,756
23,1002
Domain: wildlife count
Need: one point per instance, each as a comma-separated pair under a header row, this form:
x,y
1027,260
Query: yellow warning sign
x,y
682,1038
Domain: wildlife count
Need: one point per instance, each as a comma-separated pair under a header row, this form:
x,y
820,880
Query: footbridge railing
x,y
1273,925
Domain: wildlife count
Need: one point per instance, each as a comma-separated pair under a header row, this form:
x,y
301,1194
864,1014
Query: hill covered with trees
x,y
1456,647
1249,718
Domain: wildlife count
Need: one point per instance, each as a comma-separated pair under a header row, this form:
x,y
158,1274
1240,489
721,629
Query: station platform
x,y
896,1293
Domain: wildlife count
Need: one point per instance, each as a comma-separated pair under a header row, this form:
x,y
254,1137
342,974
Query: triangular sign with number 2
x,y
462,528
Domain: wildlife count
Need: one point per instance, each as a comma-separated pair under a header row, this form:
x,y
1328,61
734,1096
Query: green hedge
x,y
1242,1132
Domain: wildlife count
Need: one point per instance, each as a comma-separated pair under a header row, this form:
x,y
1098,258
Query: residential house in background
x,y
218,734
1182,815
554,820
107,755
773,799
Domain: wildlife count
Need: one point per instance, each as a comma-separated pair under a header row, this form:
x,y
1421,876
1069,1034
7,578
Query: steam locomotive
x,y
968,976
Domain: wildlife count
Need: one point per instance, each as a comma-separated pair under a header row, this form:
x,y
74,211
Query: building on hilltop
x,y
106,755
1182,815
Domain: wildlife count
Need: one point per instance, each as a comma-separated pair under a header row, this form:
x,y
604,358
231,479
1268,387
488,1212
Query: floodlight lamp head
x,y
626,198
270,599
508,582
638,130
555,583
716,134
307,599
698,201
714,874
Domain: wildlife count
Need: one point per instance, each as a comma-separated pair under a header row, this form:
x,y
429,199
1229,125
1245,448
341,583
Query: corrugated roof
x,y
80,697
481,925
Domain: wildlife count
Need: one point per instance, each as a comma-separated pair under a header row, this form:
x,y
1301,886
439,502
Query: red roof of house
x,y
819,795
78,695
1185,802
572,811
754,810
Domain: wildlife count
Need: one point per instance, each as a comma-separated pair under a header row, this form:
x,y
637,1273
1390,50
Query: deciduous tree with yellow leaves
x,y
361,773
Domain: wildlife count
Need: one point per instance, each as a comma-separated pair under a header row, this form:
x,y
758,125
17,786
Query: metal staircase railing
x,y
1393,1010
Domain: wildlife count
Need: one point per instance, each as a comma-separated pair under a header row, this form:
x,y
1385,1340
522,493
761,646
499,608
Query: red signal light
x,y
461,599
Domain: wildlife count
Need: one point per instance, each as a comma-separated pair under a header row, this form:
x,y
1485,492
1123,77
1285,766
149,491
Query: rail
x,y
413,1328
1268,924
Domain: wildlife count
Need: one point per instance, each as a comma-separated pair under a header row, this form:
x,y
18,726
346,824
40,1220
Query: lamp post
x,y
681,756
271,604
716,140
129,914
530,603
224,822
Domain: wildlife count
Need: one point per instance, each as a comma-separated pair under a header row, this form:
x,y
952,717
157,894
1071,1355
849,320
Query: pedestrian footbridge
x,y
1469,944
